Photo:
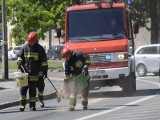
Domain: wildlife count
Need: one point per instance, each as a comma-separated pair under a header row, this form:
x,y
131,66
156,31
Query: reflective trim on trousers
x,y
85,99
40,93
23,98
33,99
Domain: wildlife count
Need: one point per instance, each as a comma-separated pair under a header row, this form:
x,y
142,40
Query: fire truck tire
x,y
133,81
127,87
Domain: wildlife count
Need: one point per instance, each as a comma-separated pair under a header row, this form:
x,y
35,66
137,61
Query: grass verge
x,y
52,64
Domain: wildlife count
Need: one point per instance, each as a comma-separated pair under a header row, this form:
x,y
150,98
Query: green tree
x,y
43,15
34,15
145,11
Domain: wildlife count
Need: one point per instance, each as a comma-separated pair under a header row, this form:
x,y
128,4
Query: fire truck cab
x,y
103,30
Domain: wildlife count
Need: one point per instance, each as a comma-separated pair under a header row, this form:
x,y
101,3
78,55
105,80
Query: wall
x,y
143,38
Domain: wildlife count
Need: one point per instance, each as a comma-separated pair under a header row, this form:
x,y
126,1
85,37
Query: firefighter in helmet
x,y
30,58
75,64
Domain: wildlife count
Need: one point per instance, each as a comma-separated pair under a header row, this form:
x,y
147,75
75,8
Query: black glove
x,y
45,74
19,67
85,70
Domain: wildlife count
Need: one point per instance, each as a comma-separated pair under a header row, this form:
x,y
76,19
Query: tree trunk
x,y
154,21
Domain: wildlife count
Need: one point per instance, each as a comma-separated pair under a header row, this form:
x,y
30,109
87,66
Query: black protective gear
x,y
42,76
40,87
32,58
85,108
85,70
45,75
71,108
22,108
77,64
41,104
32,109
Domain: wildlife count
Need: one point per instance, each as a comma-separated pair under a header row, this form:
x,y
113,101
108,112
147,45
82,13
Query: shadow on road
x,y
144,92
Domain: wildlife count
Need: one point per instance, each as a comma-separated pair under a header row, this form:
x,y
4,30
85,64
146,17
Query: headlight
x,y
122,56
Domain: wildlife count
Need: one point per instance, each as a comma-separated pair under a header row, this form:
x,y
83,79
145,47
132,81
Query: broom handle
x,y
52,85
23,69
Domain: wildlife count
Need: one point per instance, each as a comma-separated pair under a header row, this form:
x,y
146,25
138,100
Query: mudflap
x,y
129,85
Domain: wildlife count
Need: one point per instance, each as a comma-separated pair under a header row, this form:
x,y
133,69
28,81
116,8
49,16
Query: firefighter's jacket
x,y
44,63
75,64
33,59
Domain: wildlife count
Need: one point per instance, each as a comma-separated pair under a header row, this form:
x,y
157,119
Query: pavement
x,y
10,93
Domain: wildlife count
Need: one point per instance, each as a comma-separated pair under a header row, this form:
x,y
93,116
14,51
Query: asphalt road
x,y
104,104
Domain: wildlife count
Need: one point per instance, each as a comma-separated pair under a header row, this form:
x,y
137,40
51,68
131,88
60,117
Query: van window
x,y
141,51
148,50
151,50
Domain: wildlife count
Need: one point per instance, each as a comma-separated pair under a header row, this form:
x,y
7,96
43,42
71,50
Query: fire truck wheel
x,y
127,87
133,81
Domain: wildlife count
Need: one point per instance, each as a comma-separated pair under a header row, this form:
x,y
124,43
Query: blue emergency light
x,y
77,1
114,0
129,2
108,57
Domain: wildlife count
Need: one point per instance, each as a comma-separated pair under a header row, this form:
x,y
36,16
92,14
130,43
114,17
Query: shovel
x,y
57,93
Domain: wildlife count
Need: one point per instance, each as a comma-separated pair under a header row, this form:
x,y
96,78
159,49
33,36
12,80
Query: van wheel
x,y
141,70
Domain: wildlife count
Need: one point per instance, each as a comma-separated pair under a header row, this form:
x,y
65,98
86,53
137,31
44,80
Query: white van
x,y
13,51
147,59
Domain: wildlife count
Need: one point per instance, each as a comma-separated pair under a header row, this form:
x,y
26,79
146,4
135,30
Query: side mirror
x,y
58,30
135,28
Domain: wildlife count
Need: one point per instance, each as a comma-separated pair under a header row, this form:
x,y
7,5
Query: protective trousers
x,y
32,94
74,91
40,87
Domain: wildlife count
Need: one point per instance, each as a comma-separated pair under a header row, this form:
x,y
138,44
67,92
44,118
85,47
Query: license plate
x,y
97,72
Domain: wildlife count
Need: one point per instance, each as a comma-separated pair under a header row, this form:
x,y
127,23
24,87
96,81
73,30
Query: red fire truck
x,y
103,30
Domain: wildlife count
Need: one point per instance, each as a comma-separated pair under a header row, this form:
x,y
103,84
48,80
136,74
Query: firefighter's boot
x,y
73,101
32,109
22,108
85,104
32,106
71,108
40,97
41,104
22,103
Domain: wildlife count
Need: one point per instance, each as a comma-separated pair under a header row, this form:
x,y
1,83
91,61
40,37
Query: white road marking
x,y
123,106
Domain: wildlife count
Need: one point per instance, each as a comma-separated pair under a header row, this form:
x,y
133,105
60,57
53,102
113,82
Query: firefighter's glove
x,y
20,67
45,74
85,70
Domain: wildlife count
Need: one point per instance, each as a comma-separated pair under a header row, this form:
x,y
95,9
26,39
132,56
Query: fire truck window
x,y
91,23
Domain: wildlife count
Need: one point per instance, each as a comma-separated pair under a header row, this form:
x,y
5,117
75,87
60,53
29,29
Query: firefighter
x,y
42,75
30,58
75,63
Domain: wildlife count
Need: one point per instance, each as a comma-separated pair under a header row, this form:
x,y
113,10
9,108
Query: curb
x,y
16,103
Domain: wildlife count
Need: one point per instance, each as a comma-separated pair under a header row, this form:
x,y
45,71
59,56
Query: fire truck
x,y
104,30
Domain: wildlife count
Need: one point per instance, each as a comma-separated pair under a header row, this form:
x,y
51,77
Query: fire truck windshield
x,y
95,24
